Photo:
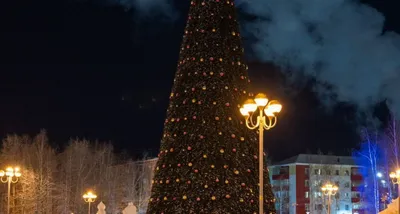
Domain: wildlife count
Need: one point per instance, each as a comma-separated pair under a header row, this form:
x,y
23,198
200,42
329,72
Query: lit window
x,y
306,194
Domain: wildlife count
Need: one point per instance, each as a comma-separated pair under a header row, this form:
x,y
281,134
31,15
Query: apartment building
x,y
297,184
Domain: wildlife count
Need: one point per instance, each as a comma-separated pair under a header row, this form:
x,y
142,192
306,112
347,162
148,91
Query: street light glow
x,y
244,112
329,190
9,176
261,100
89,195
89,198
250,105
395,177
265,120
379,175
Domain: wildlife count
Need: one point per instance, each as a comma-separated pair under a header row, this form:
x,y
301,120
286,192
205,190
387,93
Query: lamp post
x,y
329,190
266,119
89,198
10,175
395,177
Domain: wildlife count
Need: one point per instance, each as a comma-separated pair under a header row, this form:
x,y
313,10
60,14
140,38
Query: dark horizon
x,y
89,71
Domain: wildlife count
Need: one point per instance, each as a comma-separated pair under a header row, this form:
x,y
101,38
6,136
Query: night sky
x,y
80,69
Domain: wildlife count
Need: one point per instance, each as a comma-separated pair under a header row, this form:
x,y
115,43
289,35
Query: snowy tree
x,y
137,183
55,183
34,191
392,140
369,157
74,178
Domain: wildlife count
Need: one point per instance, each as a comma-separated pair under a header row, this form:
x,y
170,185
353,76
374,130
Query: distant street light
x,y
329,190
270,109
11,175
89,198
379,175
395,176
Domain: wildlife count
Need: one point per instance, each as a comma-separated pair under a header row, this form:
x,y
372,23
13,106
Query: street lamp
x,y
11,175
329,190
395,176
265,120
89,198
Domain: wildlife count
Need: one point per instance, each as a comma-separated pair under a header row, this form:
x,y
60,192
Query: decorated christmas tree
x,y
208,161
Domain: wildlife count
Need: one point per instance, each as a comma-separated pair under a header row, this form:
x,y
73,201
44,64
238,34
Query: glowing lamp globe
x,y
261,100
244,112
392,175
250,105
273,108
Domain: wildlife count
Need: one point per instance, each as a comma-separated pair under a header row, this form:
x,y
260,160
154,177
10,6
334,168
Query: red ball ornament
x,y
248,170
179,165
211,58
234,150
252,201
193,89
184,132
194,117
196,171
174,198
201,136
217,180
197,199
227,104
233,135
221,74
189,148
189,182
243,184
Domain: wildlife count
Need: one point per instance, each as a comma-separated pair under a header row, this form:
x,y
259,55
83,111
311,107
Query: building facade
x,y
297,184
